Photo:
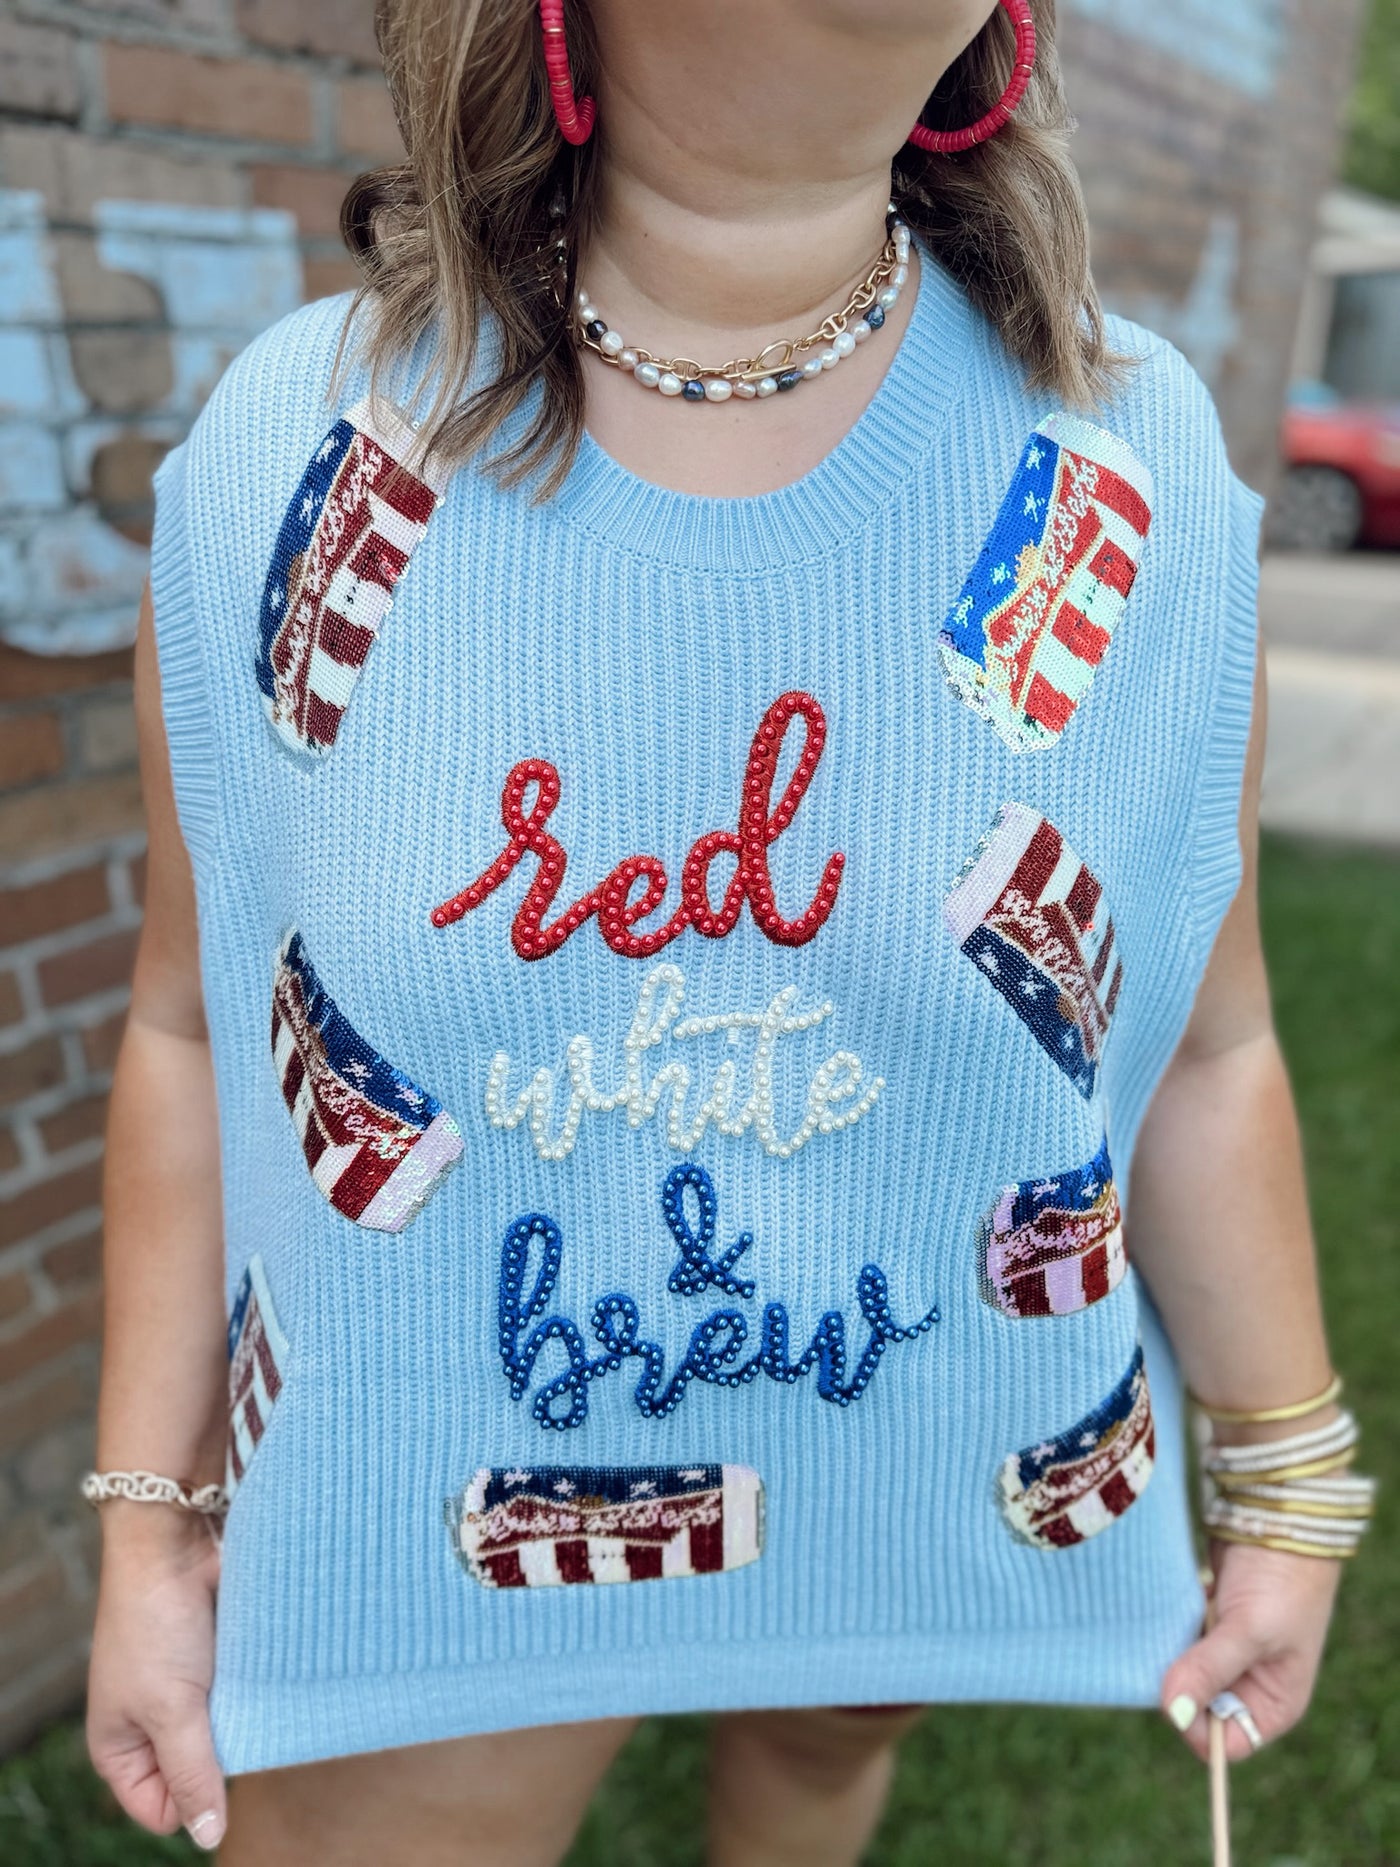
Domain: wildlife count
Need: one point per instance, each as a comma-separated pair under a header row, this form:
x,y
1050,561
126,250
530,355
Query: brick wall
x,y
170,176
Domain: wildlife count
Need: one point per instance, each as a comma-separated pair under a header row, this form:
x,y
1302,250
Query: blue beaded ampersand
x,y
715,1343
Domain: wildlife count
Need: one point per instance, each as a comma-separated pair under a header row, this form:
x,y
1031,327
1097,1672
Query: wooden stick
x,y
1219,1765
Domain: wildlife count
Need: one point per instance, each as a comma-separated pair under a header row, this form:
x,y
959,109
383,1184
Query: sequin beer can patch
x,y
376,1144
1031,916
547,1525
257,1354
353,523
1054,1245
1067,1489
1040,606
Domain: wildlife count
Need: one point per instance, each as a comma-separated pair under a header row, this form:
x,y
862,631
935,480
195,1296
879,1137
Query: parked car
x,y
1341,481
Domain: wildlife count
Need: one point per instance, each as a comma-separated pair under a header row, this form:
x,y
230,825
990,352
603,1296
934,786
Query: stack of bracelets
x,y
1294,1494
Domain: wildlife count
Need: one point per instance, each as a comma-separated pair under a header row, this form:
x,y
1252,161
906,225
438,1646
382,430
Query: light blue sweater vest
x,y
685,981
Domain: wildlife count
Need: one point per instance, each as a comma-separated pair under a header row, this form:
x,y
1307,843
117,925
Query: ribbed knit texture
x,y
634,638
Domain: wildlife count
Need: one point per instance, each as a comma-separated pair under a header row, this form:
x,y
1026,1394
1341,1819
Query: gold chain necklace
x,y
781,364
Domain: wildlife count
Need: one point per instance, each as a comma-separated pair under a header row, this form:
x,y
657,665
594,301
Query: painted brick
x,y
31,746
11,1006
29,1591
327,278
83,970
16,1294
77,1261
122,372
37,1066
46,907
365,122
34,677
34,1638
37,70
333,28
79,1121
69,815
75,172
9,1147
55,1395
52,1467
45,1204
240,97
136,872
50,1335
107,735
101,1042
120,481
312,195
89,290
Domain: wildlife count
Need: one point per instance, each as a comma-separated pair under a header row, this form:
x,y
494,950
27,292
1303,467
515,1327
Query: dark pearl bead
x,y
694,391
594,330
875,317
789,379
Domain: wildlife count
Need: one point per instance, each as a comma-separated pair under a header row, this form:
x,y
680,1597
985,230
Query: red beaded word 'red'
x,y
949,142
759,826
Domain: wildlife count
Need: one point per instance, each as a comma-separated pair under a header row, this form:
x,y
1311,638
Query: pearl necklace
x,y
781,364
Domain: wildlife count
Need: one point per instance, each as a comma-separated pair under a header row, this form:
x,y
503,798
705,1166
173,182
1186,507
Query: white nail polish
x,y
1182,1711
207,1830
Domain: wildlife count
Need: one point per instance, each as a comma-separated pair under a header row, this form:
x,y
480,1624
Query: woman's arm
x,y
1218,1226
163,1404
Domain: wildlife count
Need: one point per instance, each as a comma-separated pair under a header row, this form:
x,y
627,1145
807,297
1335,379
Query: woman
x,y
725,937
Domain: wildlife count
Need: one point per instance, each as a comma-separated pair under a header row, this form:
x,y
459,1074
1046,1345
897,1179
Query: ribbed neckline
x,y
810,516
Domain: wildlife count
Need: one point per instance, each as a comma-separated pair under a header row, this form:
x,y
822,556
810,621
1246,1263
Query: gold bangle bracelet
x,y
1284,1543
1302,1508
1266,1416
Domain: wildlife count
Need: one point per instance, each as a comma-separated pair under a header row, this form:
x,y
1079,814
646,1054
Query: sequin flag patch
x,y
377,1145
352,525
1069,1488
257,1351
542,1526
1032,917
1039,608
1054,1245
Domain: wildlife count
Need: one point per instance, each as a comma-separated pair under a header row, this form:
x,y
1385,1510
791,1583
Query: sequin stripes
x,y
534,1245
546,1525
1068,1488
1040,606
353,523
257,1354
376,1144
760,825
1032,917
838,1093
1054,1245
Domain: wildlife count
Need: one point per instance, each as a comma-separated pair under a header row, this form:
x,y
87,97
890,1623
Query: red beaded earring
x,y
947,142
573,115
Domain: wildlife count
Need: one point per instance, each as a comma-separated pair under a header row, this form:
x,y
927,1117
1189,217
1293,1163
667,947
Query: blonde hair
x,y
465,225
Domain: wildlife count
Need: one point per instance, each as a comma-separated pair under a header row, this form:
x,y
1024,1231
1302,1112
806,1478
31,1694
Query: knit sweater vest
x,y
685,977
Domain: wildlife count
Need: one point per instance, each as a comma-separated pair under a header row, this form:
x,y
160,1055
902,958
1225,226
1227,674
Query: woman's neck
x,y
742,197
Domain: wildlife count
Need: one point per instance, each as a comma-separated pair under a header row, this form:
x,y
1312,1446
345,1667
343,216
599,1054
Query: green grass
x,y
1029,1788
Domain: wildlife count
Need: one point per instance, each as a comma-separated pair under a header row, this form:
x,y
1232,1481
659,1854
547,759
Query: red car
x,y
1341,484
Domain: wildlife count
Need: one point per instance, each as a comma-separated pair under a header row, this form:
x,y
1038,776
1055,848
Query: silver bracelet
x,y
151,1488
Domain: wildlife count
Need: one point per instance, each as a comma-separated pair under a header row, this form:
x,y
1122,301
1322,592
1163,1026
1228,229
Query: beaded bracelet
x,y
150,1488
1293,1494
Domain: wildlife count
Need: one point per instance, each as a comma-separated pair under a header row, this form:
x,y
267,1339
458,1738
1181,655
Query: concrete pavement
x,y
1332,635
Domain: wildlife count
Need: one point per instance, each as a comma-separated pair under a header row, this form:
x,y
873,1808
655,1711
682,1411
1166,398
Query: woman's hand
x,y
152,1665
1271,1615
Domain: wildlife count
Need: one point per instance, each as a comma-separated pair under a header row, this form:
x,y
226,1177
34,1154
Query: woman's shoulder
x,y
1161,403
